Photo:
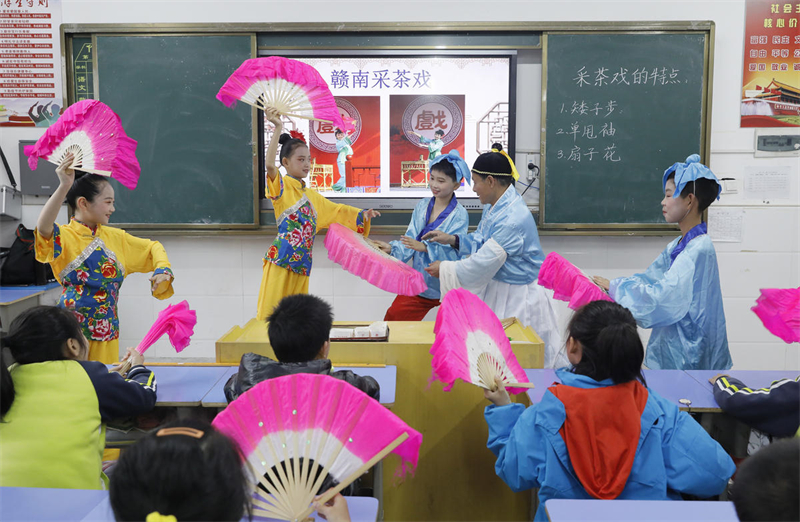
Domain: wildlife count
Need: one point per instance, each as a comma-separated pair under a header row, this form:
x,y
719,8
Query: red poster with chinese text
x,y
363,166
411,115
771,74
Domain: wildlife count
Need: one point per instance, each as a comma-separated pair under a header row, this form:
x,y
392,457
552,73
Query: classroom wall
x,y
220,275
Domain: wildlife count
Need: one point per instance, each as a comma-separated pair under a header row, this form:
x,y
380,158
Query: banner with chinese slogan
x,y
30,63
771,74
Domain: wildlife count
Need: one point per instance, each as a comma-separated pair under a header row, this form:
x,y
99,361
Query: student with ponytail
x,y
91,259
54,403
601,433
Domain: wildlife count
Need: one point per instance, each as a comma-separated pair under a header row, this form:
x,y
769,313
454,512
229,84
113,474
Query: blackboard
x,y
618,110
197,156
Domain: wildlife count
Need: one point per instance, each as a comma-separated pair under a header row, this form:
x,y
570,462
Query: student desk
x,y
455,479
562,510
16,299
672,385
386,377
185,386
752,378
41,505
44,505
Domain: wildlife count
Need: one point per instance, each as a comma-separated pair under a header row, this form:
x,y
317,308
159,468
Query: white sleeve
x,y
474,272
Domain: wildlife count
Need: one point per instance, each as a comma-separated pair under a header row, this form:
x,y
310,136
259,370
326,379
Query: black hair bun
x,y
497,146
79,174
284,139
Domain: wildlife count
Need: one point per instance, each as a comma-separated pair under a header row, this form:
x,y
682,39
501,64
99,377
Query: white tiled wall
x,y
220,276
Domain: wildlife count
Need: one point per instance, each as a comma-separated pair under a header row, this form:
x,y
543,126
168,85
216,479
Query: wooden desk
x,y
455,479
16,299
408,169
561,510
44,505
385,375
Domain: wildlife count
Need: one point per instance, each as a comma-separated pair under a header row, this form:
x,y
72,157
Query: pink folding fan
x,y
569,283
290,87
472,345
359,256
93,133
297,430
177,321
779,310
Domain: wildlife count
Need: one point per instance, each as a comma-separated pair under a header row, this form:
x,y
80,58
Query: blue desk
x,y
385,375
16,299
673,385
362,509
185,386
40,505
752,378
560,510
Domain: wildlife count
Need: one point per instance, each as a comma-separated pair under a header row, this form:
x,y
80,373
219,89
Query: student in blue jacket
x,y
679,295
601,433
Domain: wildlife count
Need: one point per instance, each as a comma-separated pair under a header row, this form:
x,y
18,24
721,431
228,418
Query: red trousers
x,y
405,308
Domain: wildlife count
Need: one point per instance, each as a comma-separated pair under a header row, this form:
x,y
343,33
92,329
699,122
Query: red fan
x,y
295,431
779,310
359,256
93,133
472,345
569,283
290,87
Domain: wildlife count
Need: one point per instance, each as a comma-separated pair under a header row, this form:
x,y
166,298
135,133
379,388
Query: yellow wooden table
x,y
455,479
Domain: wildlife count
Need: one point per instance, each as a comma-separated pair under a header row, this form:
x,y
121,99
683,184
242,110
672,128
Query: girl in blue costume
x,y
344,148
441,212
679,295
500,261
601,433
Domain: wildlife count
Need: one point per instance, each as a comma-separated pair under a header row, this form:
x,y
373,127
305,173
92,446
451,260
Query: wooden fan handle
x,y
357,473
519,385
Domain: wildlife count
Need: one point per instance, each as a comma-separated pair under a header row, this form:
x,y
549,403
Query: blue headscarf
x,y
462,169
692,170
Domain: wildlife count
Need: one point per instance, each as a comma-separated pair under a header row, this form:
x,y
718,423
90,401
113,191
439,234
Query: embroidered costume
x,y
91,266
300,212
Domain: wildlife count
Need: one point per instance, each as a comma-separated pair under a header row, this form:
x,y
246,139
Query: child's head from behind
x,y
40,334
603,343
295,156
187,470
299,328
91,198
767,483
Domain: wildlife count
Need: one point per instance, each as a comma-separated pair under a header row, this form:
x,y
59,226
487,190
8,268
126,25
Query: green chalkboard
x,y
197,156
619,109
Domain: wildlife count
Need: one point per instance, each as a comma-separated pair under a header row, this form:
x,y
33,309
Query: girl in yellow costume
x,y
300,212
91,260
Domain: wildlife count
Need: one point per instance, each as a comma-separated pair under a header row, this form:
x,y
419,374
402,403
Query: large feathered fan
x,y
779,310
569,283
360,257
472,345
290,87
297,431
93,133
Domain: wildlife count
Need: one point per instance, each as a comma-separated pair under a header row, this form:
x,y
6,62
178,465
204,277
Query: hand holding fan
x,y
361,257
471,345
177,321
290,87
93,133
569,283
296,430
779,310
